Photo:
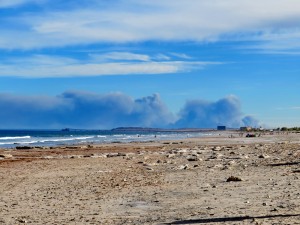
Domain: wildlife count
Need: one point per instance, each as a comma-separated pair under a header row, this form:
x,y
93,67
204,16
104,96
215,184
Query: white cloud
x,y
181,55
125,56
162,57
39,66
168,20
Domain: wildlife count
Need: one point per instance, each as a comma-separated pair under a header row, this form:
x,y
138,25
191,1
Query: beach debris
x,y
233,179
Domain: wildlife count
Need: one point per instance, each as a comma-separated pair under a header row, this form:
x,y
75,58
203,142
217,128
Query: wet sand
x,y
169,182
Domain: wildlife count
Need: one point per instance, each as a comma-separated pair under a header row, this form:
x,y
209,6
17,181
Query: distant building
x,y
221,128
245,128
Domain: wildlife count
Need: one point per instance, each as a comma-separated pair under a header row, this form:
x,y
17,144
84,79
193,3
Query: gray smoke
x,y
87,110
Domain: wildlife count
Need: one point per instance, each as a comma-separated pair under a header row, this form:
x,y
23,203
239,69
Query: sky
x,y
100,64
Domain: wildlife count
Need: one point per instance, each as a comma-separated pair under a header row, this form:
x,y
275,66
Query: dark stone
x,y
234,179
23,147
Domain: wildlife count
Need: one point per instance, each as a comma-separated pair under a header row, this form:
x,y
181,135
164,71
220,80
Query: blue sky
x,y
168,63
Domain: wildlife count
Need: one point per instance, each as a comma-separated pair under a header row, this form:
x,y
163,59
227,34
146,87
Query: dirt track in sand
x,y
175,182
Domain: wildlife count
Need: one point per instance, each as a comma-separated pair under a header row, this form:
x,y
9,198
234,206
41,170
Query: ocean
x,y
50,138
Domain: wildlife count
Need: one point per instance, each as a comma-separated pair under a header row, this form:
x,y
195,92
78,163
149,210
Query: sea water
x,y
43,138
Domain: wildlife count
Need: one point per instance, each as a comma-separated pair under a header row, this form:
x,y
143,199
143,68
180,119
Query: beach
x,y
215,179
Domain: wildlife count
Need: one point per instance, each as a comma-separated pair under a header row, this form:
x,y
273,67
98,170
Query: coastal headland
x,y
218,179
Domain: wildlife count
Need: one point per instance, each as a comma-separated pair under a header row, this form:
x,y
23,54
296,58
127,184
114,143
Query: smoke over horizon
x,y
205,114
95,111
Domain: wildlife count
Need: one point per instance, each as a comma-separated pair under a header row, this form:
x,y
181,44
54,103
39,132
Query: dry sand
x,y
171,182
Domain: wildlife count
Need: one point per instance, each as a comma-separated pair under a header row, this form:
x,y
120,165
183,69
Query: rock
x,y
110,155
193,158
6,156
216,148
23,147
75,156
246,157
83,147
218,166
232,162
183,167
226,167
22,220
263,156
216,156
233,179
98,156
72,147
171,155
182,150
150,164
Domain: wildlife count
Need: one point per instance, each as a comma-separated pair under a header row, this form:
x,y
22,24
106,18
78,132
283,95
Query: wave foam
x,y
15,138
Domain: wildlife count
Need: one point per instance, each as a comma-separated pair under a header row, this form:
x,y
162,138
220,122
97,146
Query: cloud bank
x,y
87,110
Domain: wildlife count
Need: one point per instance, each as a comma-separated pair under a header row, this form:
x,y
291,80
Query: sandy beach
x,y
209,180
